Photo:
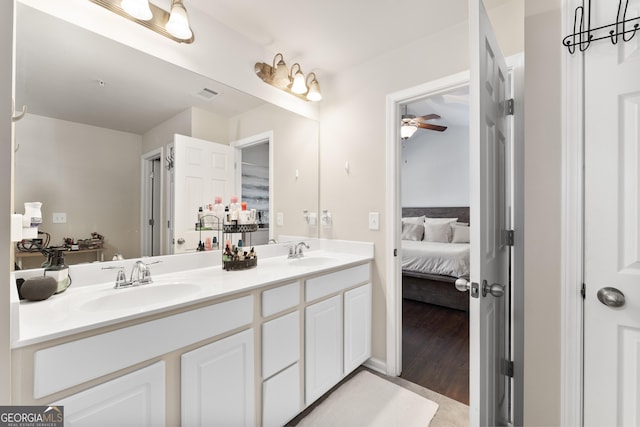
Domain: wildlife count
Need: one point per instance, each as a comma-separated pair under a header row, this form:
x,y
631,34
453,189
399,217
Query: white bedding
x,y
448,259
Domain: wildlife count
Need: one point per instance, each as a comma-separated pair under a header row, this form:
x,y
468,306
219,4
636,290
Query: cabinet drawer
x,y
321,286
65,365
281,397
280,343
281,298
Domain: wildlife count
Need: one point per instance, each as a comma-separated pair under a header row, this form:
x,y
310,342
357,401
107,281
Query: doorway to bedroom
x,y
434,203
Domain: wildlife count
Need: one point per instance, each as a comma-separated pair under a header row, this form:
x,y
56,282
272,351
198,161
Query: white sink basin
x,y
312,261
139,296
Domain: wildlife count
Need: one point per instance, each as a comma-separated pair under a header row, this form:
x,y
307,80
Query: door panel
x,y
612,226
489,403
203,170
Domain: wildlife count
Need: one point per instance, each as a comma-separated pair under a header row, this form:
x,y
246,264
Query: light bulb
x,y
178,25
139,9
314,91
299,86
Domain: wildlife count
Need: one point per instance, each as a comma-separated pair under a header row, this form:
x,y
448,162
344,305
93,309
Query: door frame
x,y
145,198
248,142
572,228
394,100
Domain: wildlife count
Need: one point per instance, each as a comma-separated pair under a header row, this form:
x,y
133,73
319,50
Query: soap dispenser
x,y
58,270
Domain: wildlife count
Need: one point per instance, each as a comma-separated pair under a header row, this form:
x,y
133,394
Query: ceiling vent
x,y
206,94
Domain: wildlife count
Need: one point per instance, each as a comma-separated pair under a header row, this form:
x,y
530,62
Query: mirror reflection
x,y
98,149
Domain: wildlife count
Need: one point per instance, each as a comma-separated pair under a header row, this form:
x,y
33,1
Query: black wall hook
x,y
583,34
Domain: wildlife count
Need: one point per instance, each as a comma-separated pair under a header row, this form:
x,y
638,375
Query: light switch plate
x,y
280,219
374,221
59,218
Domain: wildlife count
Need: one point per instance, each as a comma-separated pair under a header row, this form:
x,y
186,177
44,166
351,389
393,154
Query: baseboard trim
x,y
376,365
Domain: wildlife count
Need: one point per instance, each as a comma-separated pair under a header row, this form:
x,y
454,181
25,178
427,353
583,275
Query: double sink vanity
x,y
199,345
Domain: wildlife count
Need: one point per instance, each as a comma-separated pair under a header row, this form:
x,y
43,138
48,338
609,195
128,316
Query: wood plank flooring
x,y
435,348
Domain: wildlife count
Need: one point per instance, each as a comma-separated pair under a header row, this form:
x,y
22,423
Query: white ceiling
x,y
325,35
329,35
60,67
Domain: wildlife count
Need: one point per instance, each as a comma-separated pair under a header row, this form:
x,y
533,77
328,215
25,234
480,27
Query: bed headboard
x,y
462,213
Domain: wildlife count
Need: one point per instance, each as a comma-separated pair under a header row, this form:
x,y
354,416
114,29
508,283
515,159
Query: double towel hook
x,y
583,34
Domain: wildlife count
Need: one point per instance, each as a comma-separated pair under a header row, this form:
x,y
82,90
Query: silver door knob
x,y
463,285
495,290
611,297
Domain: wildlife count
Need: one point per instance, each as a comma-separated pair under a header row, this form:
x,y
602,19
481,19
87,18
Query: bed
x,y
432,262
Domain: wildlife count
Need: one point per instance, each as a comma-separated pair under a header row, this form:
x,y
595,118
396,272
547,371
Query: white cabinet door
x,y
357,327
280,343
323,344
218,383
281,397
136,399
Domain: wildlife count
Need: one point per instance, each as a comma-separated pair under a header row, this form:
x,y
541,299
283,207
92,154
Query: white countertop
x,y
85,306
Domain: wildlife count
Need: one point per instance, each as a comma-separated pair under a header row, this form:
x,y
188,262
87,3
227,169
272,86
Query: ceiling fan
x,y
409,124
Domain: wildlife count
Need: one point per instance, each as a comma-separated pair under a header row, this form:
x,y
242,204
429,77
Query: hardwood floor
x,y
435,348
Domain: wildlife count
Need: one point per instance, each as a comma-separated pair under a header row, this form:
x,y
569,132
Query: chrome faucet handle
x,y
121,279
291,252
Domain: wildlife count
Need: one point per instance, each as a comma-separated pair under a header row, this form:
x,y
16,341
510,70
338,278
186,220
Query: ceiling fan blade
x,y
432,127
428,117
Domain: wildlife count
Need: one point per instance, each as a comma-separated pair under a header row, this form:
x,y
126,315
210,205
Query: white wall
x,y
92,174
295,147
543,190
345,135
435,168
6,189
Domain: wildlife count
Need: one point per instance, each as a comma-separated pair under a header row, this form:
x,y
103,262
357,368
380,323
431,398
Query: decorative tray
x,y
240,265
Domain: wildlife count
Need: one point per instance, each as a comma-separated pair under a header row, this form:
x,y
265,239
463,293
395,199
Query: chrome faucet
x,y
140,275
296,251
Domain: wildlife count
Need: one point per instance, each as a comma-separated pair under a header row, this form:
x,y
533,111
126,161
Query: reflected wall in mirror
x,y
98,110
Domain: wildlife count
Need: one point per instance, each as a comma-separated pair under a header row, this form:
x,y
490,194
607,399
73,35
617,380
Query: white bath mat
x,y
368,400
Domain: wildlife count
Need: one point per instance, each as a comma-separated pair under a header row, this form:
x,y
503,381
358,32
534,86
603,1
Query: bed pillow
x,y
460,234
437,232
413,220
412,231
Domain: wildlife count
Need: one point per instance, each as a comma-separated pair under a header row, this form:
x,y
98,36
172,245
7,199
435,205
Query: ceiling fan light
x,y
314,89
407,130
178,25
139,9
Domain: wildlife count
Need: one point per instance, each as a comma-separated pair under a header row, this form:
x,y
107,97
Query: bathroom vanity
x,y
200,345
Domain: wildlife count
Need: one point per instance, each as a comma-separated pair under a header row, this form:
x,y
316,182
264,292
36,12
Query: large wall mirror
x,y
101,120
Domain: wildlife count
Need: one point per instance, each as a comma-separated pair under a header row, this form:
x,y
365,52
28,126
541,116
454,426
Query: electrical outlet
x,y
280,219
59,218
374,221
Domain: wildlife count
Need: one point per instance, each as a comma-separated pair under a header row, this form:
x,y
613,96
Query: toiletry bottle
x,y
218,212
59,271
234,208
200,217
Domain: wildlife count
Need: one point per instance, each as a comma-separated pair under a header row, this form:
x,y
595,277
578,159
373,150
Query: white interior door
x,y
202,170
612,226
489,399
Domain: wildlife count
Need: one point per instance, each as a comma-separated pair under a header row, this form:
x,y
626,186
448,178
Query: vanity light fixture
x,y
292,81
173,24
